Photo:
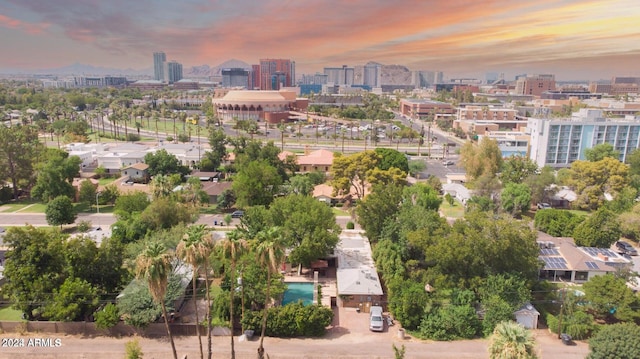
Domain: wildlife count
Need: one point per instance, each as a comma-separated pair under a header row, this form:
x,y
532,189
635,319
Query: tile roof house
x,y
319,160
562,260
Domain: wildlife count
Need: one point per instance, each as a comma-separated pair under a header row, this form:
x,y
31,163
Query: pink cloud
x,y
15,24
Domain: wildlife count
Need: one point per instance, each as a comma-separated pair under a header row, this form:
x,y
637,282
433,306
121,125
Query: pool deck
x,y
328,283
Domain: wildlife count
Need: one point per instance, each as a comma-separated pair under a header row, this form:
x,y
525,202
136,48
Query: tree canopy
x,y
484,159
165,163
615,341
308,227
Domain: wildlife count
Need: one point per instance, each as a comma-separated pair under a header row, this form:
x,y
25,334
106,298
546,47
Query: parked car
x,y
626,248
237,214
376,321
544,206
566,339
447,163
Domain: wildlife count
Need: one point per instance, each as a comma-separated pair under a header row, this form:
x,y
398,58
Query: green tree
x,y
165,163
600,229
615,341
55,176
34,267
609,296
214,157
300,185
540,184
193,250
591,180
516,169
60,211
382,204
510,340
19,148
256,183
154,266
485,159
128,204
307,226
166,213
422,195
75,299
416,166
270,253
87,192
557,222
391,158
226,199
233,246
601,151
352,172
516,198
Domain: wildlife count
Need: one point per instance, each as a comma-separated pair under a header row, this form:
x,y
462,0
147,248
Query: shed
x,y
527,316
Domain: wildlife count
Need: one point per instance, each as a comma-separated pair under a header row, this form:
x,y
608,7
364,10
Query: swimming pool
x,y
298,291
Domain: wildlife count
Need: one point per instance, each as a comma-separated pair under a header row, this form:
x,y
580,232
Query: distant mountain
x,y
206,71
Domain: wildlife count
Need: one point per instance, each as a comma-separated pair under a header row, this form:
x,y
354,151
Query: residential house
x,y
138,172
358,284
319,160
564,261
215,189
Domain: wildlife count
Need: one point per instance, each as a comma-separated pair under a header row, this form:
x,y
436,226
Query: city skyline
x,y
570,38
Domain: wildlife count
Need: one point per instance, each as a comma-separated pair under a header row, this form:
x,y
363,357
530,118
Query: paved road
x,y
339,343
39,219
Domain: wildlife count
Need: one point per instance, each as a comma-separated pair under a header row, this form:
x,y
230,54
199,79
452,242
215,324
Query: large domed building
x,y
270,106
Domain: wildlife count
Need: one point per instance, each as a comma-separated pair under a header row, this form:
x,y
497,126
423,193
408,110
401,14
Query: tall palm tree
x,y
511,340
232,247
154,266
193,250
270,252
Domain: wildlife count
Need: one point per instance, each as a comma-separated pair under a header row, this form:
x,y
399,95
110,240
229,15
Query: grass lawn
x,y
10,314
339,211
455,211
211,209
35,208
16,206
103,181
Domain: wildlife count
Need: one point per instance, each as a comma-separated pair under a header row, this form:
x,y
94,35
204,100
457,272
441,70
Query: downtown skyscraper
x,y
159,60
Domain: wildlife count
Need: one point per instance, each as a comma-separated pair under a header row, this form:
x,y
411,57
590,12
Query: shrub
x,y
450,322
132,349
133,137
108,317
291,320
84,226
350,225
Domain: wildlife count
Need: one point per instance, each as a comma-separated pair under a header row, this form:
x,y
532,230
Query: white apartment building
x,y
559,142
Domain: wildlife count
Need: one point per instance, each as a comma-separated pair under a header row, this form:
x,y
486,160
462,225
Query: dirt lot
x,y
349,338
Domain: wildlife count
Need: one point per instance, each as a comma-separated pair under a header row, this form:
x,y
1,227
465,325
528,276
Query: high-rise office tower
x,y
373,74
159,59
339,75
276,73
174,71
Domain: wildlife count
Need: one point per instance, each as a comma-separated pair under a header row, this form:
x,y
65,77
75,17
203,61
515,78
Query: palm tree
x,y
193,250
511,340
232,247
154,266
270,252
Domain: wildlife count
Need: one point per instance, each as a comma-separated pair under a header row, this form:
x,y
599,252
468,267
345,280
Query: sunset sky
x,y
575,39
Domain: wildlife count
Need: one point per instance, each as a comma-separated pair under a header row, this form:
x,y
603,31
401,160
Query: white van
x,y
376,321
